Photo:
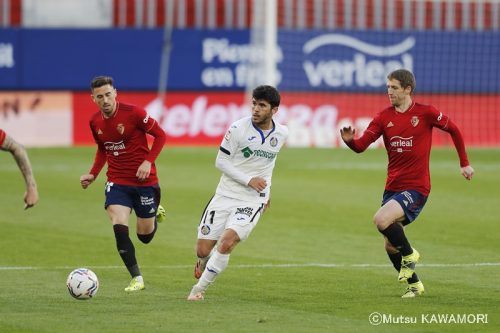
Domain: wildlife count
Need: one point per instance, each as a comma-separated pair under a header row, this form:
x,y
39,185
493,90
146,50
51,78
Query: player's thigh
x,y
118,214
214,218
146,202
244,218
389,213
411,202
118,203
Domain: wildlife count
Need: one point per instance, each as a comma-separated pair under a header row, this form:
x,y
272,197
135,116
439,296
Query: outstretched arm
x,y
21,156
370,135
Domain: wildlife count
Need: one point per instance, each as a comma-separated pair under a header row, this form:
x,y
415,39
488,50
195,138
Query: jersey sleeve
x,y
370,135
229,143
227,150
151,126
437,118
443,122
100,155
2,137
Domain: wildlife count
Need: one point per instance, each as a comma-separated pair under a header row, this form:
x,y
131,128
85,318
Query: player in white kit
x,y
246,157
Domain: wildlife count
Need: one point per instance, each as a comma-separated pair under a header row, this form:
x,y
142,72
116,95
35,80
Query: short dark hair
x,y
405,77
268,94
100,81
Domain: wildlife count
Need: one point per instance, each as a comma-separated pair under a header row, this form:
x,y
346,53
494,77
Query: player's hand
x,y
467,172
86,180
257,183
30,197
144,170
347,133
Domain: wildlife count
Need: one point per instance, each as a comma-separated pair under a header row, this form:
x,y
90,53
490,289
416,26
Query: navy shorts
x,y
144,200
411,201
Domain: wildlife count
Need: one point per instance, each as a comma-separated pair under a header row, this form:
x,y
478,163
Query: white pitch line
x,y
478,264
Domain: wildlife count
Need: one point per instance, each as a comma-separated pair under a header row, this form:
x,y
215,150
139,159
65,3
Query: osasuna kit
x,y
122,143
246,151
408,140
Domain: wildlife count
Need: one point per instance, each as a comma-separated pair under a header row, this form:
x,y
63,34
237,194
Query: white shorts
x,y
224,213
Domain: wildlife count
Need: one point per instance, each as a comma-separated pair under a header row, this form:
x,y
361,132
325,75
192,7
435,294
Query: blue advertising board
x,y
9,58
208,60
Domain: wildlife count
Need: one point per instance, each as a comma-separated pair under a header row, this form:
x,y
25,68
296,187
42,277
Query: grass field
x,y
315,263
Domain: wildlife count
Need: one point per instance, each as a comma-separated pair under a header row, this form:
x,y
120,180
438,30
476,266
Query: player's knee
x,y
202,252
227,245
380,222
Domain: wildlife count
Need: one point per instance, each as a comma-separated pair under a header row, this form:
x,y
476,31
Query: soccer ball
x,y
82,283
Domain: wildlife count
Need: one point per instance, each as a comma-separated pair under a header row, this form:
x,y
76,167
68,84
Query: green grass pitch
x,y
315,262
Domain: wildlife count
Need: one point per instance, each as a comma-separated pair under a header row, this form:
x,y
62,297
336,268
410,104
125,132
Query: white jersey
x,y
247,152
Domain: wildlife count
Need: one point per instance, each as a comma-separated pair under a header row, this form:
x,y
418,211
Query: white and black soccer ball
x,y
82,283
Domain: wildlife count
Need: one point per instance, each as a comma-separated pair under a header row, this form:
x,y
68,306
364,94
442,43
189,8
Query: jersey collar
x,y
262,136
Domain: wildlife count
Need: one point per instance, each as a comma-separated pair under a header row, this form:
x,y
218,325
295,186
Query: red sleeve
x,y
159,141
458,141
150,126
99,161
370,135
443,122
2,137
100,156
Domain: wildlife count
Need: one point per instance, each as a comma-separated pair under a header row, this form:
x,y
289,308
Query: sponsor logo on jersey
x,y
400,144
414,121
145,120
114,147
247,152
273,142
248,211
252,138
120,128
263,153
440,116
99,132
390,124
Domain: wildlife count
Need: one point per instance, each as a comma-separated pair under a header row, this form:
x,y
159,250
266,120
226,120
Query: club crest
x,y
273,142
414,121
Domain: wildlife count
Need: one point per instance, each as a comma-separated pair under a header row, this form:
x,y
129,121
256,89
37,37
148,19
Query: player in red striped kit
x,y
406,128
120,130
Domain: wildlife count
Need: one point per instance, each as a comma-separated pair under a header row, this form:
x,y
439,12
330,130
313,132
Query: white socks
x,y
215,265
